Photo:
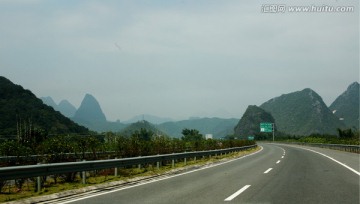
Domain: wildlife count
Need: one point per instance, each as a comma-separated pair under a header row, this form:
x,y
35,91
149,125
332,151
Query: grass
x,y
12,193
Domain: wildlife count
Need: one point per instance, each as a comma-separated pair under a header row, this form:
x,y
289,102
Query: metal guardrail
x,y
29,171
341,147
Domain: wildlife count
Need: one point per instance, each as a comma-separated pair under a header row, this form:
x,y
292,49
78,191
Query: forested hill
x,y
302,113
249,123
346,106
23,113
139,126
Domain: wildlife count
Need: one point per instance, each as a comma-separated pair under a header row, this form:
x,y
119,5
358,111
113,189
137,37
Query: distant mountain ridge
x,y
217,126
20,106
147,117
143,124
297,113
65,107
302,113
49,101
346,106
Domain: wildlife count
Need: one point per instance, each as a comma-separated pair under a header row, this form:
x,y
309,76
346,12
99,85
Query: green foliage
x,y
193,139
346,106
217,126
13,148
302,113
347,136
191,135
139,128
347,133
249,124
22,112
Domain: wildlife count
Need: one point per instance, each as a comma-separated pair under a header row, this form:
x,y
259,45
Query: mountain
x,y
143,124
20,107
49,101
249,124
346,106
66,108
216,126
302,113
91,116
150,118
89,111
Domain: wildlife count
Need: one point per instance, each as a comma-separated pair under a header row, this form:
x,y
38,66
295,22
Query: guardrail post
x,y
158,164
116,170
185,161
173,163
195,159
38,182
83,176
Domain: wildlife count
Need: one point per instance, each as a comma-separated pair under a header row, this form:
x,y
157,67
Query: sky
x,y
178,59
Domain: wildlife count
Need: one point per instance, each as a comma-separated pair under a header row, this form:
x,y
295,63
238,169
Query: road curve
x,y
277,174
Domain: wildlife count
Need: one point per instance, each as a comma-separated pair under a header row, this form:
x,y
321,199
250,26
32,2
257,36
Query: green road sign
x,y
250,137
266,127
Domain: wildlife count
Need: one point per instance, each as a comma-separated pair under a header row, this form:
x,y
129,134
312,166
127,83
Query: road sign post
x,y
268,127
273,130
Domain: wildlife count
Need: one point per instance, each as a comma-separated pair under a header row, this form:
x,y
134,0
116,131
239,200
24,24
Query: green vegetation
x,y
51,185
138,126
54,149
217,126
24,115
346,106
249,124
302,113
344,136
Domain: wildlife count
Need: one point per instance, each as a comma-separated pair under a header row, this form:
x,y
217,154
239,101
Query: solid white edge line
x,y
140,184
342,164
267,171
237,193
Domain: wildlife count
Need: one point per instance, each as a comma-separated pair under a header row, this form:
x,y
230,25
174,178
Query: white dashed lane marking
x,y
237,193
267,171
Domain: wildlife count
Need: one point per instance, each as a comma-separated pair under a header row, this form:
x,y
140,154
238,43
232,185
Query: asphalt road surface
x,y
276,174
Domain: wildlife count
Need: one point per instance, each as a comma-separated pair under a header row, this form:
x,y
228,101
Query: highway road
x,y
276,174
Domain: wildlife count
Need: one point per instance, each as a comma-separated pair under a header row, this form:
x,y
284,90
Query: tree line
x,y
142,142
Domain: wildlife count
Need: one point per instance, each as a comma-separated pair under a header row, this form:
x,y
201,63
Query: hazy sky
x,y
177,58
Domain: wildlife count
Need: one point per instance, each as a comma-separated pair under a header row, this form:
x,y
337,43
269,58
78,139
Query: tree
x,y
347,133
192,138
191,135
